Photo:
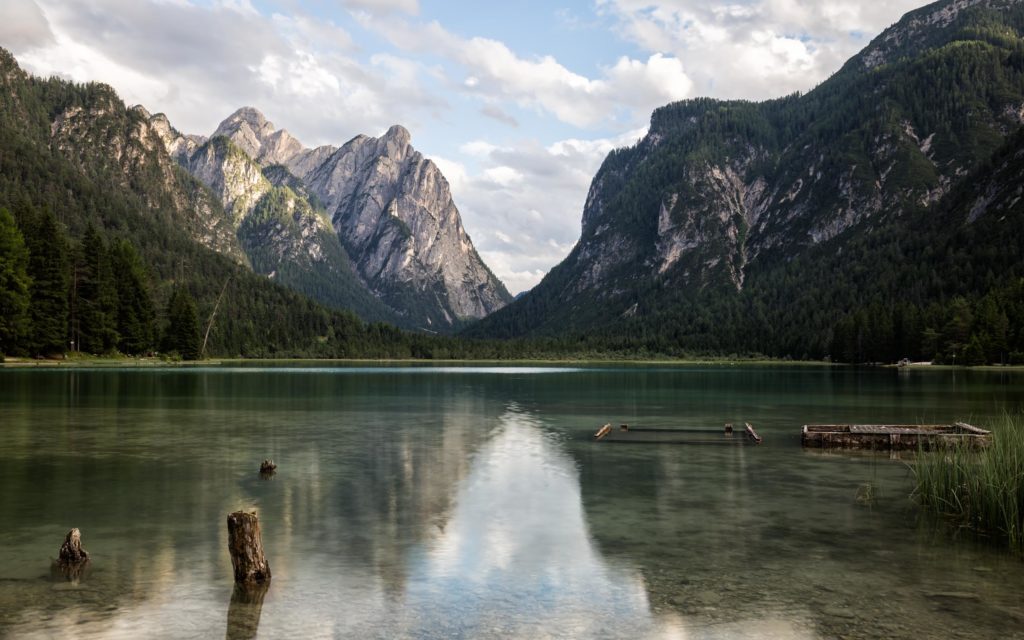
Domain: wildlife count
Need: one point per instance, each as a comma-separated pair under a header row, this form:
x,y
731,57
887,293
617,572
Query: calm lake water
x,y
443,502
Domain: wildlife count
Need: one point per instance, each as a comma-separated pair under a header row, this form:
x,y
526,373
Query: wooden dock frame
x,y
638,435
884,437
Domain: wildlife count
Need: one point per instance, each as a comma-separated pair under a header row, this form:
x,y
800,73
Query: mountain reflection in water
x,y
515,558
471,503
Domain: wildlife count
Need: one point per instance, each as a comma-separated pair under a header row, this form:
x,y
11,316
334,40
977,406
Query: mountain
x,y
736,226
281,229
78,164
372,217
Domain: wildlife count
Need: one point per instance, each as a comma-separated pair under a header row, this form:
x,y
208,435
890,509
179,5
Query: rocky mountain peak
x,y
250,130
908,33
180,147
394,212
398,135
390,208
251,118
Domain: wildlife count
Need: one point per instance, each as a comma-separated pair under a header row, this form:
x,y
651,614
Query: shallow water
x,y
445,502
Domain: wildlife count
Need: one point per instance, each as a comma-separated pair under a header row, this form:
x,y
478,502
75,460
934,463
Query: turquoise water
x,y
448,502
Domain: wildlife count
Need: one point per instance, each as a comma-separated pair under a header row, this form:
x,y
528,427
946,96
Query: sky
x,y
518,102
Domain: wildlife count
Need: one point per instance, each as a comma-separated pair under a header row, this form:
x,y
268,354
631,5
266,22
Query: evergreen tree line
x,y
92,297
986,330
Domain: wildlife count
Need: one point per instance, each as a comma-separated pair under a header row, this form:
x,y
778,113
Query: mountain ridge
x,y
392,210
707,213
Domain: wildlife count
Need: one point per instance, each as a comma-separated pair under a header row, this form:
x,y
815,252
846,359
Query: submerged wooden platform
x,y
893,437
730,435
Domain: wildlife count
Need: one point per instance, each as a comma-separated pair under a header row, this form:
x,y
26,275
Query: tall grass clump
x,y
982,490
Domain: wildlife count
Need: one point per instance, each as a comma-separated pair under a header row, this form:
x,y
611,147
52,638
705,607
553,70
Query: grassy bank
x,y
979,490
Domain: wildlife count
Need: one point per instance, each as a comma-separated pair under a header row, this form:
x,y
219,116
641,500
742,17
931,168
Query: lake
x,y
471,502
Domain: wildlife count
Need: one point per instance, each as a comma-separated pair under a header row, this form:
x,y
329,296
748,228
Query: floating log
x,y
678,435
245,543
888,437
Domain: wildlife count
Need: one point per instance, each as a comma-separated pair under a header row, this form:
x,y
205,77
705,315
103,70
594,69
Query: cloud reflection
x,y
516,558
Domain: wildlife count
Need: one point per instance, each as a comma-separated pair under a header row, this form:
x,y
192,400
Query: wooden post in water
x,y
246,547
71,552
72,559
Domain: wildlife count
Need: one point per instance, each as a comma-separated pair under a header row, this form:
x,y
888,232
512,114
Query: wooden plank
x,y
753,434
675,436
892,437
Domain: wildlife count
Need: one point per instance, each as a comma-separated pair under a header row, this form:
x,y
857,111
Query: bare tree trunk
x,y
209,325
245,543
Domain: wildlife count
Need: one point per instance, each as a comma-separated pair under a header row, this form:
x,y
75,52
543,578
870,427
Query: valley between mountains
x,y
876,217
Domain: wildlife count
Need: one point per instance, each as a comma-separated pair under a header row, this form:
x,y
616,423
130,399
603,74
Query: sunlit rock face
x,y
394,212
398,232
391,208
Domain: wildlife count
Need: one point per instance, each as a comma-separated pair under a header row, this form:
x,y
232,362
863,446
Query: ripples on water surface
x,y
447,502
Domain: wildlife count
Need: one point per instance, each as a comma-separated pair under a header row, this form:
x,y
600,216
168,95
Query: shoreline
x,y
128,362
114,362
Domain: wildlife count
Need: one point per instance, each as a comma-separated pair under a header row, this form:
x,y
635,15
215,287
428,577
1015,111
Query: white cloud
x,y
523,205
23,25
478,148
625,93
497,113
383,7
313,34
759,49
502,176
200,63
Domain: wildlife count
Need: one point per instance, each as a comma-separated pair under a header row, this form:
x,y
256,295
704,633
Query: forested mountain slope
x,y
762,227
92,186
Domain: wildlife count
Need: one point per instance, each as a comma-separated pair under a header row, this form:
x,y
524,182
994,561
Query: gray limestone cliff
x,y
390,208
394,212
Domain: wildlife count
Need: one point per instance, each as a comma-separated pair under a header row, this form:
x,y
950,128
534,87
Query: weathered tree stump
x,y
245,544
71,552
268,467
72,558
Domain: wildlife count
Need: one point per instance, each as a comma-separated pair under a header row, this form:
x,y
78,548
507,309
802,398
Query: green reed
x,y
981,490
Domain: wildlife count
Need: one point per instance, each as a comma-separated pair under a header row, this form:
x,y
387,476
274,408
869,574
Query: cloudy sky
x,y
517,102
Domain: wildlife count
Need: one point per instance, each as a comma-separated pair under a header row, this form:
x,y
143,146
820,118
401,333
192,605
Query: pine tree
x,y
182,334
48,267
14,285
95,295
957,331
135,318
